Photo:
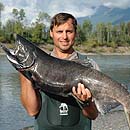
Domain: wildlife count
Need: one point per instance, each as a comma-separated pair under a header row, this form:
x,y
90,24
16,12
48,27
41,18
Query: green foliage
x,y
80,35
1,9
43,17
2,39
19,15
87,29
37,33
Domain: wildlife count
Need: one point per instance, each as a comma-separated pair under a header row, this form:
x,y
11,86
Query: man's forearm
x,y
30,98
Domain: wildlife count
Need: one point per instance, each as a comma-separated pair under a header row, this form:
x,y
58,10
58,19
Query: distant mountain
x,y
105,14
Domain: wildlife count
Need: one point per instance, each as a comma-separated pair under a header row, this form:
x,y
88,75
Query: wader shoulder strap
x,y
85,60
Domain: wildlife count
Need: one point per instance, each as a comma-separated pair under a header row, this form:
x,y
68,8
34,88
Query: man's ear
x,y
51,35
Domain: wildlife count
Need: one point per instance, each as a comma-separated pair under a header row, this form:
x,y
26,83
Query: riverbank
x,y
95,51
84,49
115,120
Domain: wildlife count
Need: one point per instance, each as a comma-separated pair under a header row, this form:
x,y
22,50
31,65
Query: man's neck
x,y
62,55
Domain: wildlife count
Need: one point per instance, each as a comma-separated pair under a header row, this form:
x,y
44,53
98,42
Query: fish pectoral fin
x,y
105,105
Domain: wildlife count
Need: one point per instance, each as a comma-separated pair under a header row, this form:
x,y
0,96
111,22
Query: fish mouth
x,y
10,55
12,58
17,63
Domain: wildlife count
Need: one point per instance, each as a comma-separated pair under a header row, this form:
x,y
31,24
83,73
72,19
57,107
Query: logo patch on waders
x,y
63,109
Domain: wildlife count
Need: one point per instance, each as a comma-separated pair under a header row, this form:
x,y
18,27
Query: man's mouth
x,y
65,43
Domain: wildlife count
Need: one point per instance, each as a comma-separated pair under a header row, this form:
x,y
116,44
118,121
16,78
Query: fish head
x,y
22,56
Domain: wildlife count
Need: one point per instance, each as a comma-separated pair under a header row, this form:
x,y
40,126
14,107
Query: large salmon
x,y
56,77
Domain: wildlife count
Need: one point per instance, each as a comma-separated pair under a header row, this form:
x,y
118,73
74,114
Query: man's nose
x,y
65,35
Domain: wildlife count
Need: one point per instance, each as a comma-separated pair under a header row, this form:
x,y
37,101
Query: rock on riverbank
x,y
115,120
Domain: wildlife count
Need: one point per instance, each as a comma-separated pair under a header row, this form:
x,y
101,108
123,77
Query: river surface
x,y
12,114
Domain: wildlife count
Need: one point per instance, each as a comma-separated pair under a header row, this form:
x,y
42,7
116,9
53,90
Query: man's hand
x,y
82,93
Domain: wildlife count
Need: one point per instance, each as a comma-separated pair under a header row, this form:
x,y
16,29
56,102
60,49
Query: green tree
x,y
128,33
37,33
87,28
19,16
128,28
123,30
9,26
109,32
101,32
44,18
80,35
1,9
15,14
8,30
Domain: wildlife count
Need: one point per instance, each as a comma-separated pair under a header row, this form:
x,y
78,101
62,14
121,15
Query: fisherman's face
x,y
63,36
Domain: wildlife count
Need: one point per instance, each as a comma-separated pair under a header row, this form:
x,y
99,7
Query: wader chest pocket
x,y
61,114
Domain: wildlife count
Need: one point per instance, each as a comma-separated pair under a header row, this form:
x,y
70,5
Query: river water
x,y
12,114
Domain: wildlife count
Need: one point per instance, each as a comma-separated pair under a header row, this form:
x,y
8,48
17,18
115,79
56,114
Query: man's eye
x,y
59,31
70,31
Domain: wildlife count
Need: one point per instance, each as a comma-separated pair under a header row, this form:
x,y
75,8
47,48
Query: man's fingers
x,y
81,92
74,90
89,95
84,92
79,89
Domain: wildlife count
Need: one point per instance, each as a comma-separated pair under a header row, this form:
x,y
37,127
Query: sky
x,y
78,8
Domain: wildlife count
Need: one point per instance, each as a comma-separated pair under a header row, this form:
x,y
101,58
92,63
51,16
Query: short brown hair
x,y
61,18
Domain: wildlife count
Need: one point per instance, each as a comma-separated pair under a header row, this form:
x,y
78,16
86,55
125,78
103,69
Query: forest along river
x,y
12,114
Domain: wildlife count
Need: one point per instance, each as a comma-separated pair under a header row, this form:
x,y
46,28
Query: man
x,y
51,114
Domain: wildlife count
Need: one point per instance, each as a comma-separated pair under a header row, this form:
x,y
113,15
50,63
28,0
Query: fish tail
x,y
127,113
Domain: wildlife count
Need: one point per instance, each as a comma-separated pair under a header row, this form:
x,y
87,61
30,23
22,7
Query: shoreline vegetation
x,y
95,51
121,50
